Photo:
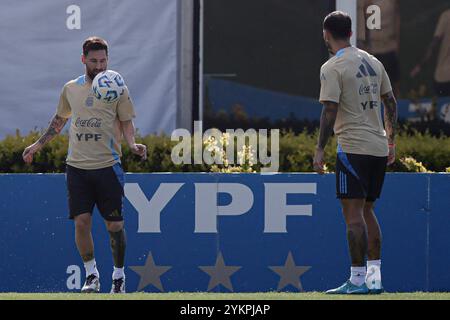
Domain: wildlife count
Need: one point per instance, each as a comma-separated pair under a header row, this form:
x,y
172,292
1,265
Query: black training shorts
x,y
101,187
359,176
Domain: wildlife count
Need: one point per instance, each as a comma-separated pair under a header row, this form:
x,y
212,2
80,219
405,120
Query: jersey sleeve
x,y
385,82
442,25
125,108
63,110
330,85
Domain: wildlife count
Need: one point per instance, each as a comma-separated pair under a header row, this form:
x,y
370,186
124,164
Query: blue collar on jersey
x,y
81,80
341,51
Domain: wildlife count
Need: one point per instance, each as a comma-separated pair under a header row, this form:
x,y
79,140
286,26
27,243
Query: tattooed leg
x,y
357,243
356,230
118,244
374,233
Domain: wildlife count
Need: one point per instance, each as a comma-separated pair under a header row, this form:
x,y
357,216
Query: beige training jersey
x,y
94,134
442,73
355,80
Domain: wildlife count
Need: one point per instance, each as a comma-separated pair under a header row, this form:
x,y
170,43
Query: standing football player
x,y
94,172
353,85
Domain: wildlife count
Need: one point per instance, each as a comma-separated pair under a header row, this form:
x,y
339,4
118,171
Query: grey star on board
x,y
289,273
150,273
220,273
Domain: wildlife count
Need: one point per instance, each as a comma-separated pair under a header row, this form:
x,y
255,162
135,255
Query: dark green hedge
x,y
296,151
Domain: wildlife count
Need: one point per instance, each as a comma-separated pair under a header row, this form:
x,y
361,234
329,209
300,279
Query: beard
x,y
92,73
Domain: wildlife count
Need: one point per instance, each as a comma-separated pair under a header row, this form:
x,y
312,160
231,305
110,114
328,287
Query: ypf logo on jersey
x,y
89,136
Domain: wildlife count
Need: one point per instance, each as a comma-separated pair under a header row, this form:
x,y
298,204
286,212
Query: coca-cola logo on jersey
x,y
372,88
88,123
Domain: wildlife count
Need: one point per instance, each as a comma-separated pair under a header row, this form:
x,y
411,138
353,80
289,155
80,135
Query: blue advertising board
x,y
261,103
224,233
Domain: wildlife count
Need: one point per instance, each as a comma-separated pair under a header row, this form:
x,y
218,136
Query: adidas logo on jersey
x,y
365,70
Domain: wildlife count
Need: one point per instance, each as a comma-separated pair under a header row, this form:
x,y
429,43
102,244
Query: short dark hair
x,y
94,43
339,24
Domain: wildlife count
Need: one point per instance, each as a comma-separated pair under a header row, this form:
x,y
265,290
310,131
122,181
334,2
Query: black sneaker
x,y
92,284
118,286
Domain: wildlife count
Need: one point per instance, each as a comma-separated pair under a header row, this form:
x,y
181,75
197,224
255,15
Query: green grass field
x,y
225,296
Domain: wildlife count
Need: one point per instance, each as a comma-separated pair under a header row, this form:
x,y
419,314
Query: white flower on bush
x,y
246,156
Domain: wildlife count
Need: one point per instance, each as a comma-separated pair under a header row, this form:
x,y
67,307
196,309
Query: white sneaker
x,y
118,286
92,284
373,280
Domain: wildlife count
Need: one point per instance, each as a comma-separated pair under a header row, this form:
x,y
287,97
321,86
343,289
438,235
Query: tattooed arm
x,y
390,122
327,120
390,115
56,125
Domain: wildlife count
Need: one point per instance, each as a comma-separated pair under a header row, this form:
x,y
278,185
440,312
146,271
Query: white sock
x,y
118,273
357,275
376,263
374,270
91,268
